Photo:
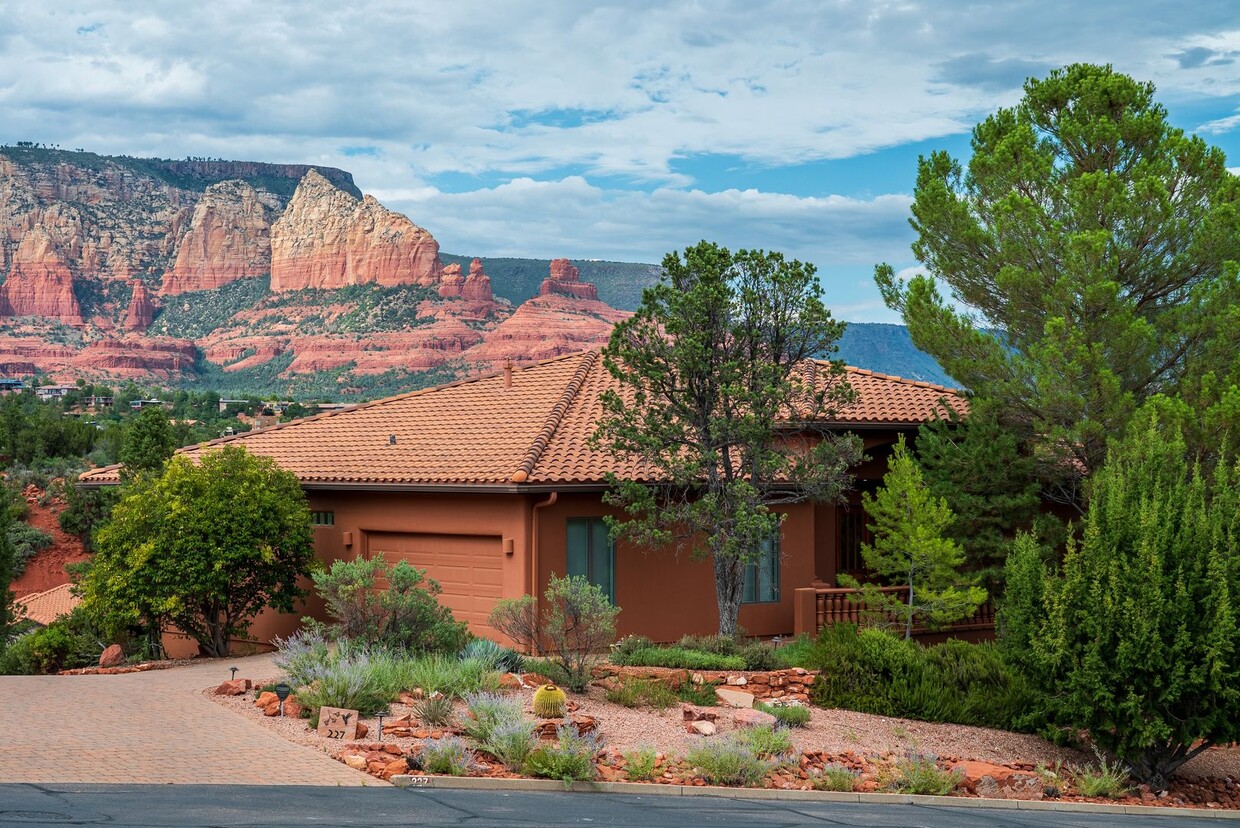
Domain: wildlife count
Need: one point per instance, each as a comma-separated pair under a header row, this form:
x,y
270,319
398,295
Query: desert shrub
x,y
503,659
27,542
873,671
796,653
355,681
767,741
407,615
511,742
640,764
637,693
577,622
788,715
755,654
488,712
451,676
68,642
621,649
683,659
921,774
729,760
435,710
302,657
1108,779
571,758
703,695
835,778
449,756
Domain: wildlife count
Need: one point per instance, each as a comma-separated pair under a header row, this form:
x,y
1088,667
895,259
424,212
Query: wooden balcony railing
x,y
818,607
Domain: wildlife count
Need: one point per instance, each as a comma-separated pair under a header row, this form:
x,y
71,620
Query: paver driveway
x,y
149,727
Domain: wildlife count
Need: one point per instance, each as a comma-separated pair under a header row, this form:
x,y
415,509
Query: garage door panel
x,y
468,568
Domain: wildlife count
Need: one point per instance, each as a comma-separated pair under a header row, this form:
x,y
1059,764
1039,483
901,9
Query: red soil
x,y
47,568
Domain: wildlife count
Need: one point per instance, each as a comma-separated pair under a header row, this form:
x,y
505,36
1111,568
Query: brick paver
x,y
154,727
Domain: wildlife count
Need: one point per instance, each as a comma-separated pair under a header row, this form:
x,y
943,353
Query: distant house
x,y
139,404
8,385
54,392
490,486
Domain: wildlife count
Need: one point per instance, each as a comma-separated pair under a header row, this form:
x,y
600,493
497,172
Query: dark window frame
x,y
594,528
770,560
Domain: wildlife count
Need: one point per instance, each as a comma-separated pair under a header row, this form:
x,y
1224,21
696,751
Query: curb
x,y
476,783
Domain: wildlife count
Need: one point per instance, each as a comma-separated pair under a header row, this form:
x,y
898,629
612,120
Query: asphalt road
x,y
247,805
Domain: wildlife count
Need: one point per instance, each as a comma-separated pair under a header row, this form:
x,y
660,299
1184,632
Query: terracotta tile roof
x,y
486,430
45,607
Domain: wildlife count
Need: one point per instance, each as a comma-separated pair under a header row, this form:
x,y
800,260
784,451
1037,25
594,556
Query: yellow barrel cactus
x,y
549,702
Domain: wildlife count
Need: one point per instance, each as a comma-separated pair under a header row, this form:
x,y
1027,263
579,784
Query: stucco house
x,y
490,486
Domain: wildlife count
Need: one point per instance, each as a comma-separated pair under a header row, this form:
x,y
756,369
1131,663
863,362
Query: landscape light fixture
x,y
380,727
234,673
282,693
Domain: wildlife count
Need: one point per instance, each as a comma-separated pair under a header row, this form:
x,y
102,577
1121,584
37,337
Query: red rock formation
x,y
39,282
451,282
477,285
229,238
141,310
547,326
566,281
328,239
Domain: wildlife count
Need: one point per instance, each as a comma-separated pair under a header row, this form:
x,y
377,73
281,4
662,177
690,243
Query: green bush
x,y
767,741
1108,780
450,676
577,621
916,774
27,542
571,758
683,659
449,756
872,671
703,695
621,649
755,654
638,693
67,643
796,653
503,659
407,615
511,742
488,712
835,778
788,715
437,711
640,764
730,761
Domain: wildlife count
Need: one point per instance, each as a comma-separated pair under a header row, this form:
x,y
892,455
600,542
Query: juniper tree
x,y
1136,638
1088,252
720,410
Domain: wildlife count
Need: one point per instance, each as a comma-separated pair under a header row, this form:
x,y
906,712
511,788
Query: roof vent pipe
x,y
508,373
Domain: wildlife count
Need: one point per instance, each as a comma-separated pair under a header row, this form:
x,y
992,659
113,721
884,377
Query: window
x,y
591,554
323,518
854,531
762,575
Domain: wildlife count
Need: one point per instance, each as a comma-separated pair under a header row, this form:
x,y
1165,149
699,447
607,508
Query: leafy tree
x,y
404,616
1089,250
1137,637
575,623
203,546
8,571
85,509
988,482
711,368
910,550
148,442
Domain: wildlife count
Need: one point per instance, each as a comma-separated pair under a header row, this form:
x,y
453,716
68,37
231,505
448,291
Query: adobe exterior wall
x,y
664,595
362,513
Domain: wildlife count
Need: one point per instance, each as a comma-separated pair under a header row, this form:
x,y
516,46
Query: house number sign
x,y
335,723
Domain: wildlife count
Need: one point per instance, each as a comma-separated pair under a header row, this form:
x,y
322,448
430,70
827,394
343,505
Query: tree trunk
x,y
729,583
908,618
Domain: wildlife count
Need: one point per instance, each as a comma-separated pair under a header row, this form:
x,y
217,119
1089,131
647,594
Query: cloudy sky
x,y
616,130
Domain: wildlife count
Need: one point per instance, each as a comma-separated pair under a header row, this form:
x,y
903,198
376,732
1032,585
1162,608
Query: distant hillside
x,y
888,349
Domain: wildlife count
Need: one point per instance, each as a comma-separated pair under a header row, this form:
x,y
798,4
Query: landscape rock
x,y
734,698
748,717
702,728
112,656
235,687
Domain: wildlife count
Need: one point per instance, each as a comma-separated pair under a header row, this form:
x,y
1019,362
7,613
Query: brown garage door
x,y
467,567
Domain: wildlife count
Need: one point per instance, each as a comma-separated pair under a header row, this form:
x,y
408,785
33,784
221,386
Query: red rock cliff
x,y
229,238
328,239
39,282
565,280
476,287
141,310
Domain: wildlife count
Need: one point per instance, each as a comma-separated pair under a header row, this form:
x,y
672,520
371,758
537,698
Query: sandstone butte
x,y
194,226
228,238
326,238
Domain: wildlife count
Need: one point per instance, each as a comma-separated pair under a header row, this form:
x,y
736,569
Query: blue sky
x,y
615,130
